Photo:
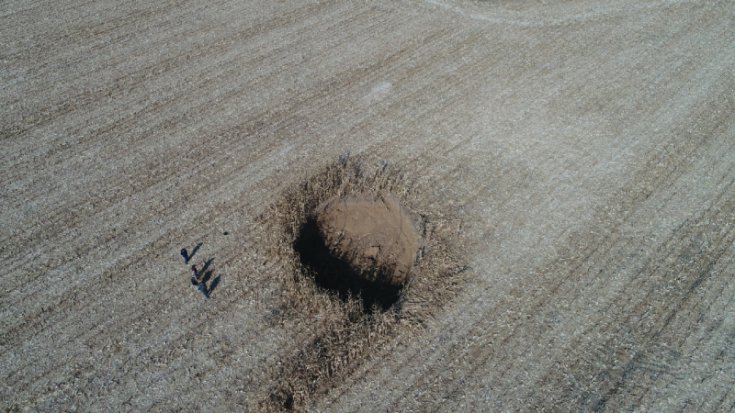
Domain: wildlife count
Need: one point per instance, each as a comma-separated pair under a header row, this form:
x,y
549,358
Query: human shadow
x,y
206,275
215,283
206,265
189,255
194,250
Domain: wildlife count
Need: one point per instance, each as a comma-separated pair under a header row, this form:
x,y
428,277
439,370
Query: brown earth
x,y
373,235
580,154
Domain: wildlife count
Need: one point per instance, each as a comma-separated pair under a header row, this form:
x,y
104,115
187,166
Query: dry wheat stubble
x,y
347,326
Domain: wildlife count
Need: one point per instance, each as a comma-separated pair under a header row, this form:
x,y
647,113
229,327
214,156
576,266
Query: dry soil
x,y
373,234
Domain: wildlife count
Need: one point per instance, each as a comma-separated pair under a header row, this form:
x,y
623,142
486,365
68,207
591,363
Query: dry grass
x,y
344,332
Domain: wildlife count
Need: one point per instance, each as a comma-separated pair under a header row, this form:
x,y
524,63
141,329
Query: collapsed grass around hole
x,y
334,274
346,329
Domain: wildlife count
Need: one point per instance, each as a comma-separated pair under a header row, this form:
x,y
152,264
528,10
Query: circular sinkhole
x,y
360,245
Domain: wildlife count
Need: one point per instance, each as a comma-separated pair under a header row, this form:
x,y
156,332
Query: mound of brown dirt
x,y
374,236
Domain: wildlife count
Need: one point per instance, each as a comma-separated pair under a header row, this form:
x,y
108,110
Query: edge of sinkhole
x,y
338,327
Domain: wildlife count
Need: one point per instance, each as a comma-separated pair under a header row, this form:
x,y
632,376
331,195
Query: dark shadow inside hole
x,y
334,274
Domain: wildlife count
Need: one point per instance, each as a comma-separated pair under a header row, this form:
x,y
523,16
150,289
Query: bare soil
x,y
374,235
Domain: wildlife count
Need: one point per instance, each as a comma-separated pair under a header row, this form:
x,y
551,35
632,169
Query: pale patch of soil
x,y
374,236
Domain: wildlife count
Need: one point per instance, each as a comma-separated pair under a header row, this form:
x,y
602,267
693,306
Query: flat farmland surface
x,y
585,150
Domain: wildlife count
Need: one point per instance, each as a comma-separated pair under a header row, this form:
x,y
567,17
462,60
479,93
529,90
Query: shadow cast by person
x,y
206,265
189,255
215,283
206,275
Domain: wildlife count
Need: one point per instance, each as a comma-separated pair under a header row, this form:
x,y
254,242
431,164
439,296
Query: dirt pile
x,y
374,236
335,238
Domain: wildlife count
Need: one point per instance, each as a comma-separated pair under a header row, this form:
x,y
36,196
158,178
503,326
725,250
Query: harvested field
x,y
569,168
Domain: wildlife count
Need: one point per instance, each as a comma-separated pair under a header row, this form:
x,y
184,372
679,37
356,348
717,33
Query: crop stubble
x,y
130,130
